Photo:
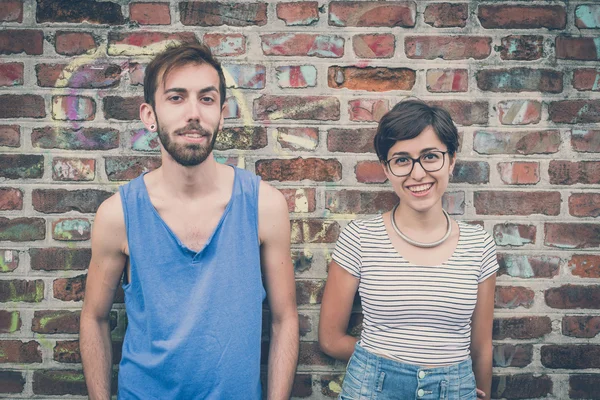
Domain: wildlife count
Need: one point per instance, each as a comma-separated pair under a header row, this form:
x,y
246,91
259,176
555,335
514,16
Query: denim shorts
x,y
369,376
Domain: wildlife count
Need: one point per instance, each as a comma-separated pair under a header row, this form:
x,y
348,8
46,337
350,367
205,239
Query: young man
x,y
189,239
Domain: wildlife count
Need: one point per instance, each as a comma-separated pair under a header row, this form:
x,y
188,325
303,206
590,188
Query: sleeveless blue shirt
x,y
194,318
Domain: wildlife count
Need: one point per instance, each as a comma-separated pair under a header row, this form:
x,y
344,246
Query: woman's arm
x,y
336,308
481,337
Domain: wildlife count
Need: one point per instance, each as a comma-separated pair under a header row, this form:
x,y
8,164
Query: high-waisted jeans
x,y
369,376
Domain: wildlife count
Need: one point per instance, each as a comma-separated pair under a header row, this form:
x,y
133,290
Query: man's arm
x,y
481,337
274,233
104,274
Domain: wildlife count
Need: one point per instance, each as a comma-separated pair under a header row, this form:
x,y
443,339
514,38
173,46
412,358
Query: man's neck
x,y
191,182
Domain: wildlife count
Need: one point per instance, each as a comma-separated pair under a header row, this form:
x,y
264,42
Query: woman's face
x,y
420,190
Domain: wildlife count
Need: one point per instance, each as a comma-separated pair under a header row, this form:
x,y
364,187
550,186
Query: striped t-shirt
x,y
416,314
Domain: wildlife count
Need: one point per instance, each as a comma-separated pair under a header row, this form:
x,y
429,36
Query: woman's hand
x,y
480,394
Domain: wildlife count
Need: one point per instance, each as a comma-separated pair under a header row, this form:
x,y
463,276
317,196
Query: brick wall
x,y
307,82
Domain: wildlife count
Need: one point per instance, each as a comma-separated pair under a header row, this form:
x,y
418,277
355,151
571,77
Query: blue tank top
x,y
194,318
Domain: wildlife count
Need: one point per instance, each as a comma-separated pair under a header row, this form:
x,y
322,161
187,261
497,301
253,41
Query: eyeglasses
x,y
403,165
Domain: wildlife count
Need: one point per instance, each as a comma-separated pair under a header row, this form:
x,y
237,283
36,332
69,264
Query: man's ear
x,y
148,117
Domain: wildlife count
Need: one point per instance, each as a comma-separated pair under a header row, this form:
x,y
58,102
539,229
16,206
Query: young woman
x,y
426,282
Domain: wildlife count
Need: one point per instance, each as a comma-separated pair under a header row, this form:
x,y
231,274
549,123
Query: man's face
x,y
188,113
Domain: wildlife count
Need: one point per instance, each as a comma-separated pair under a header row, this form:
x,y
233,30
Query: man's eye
x,y
175,98
208,99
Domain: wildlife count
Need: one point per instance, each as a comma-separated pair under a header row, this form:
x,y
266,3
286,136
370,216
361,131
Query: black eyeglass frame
x,y
417,160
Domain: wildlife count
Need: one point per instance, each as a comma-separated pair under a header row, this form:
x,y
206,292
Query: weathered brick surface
x,y
307,82
571,356
15,351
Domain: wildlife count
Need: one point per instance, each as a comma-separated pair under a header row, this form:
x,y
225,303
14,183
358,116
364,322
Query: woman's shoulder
x,y
368,223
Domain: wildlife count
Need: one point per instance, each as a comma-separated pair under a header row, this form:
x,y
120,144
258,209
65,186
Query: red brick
x,y
55,137
315,169
587,16
11,199
73,169
302,44
208,13
150,13
60,382
16,351
509,355
370,110
585,265
351,140
321,108
369,172
516,203
520,80
302,260
15,41
10,321
11,11
79,11
73,108
89,76
454,204
522,17
61,200
19,290
300,200
122,108
519,172
310,354
22,106
125,168
359,201
586,79
309,292
374,45
516,142
465,112
581,326
513,297
242,138
298,12
574,111
59,321
474,172
448,47
570,173
572,236
585,140
514,234
22,229
144,43
245,76
69,289
302,385
521,386
577,48
71,229
11,74
447,80
10,135
74,43
11,382
528,266
314,231
584,386
331,385
446,15
570,356
522,47
519,112
59,258
305,324
373,79
21,166
521,328
573,296
372,13
9,260
298,138
233,44
584,204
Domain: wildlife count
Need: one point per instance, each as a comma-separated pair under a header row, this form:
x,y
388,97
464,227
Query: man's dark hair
x,y
407,119
179,56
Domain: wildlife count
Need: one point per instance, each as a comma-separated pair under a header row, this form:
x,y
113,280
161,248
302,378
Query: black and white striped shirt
x,y
416,314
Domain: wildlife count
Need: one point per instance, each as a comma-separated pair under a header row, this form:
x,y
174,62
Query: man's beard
x,y
187,154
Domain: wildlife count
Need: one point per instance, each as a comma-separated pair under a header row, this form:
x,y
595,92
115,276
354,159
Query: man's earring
x,y
152,127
